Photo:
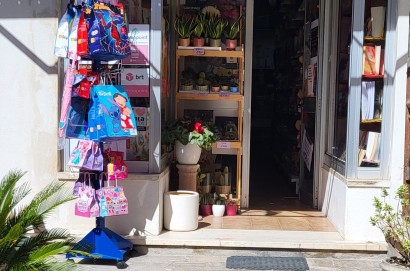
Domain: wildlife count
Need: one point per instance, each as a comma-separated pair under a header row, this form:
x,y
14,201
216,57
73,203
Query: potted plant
x,y
189,139
231,32
202,83
216,26
218,207
184,27
231,206
234,88
205,204
198,31
394,224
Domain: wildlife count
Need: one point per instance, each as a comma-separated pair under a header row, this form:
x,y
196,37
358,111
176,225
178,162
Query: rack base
x,y
102,243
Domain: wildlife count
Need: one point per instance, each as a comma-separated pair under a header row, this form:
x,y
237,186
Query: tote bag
x,y
111,116
86,204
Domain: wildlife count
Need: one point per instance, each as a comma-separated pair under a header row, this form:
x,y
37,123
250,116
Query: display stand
x,y
101,242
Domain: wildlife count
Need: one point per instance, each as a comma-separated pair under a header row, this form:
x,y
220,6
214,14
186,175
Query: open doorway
x,y
278,49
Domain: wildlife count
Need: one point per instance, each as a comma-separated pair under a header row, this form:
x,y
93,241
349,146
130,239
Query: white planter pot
x,y
385,266
181,210
188,154
218,210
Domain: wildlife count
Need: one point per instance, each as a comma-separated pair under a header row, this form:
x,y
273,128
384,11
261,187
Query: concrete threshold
x,y
261,239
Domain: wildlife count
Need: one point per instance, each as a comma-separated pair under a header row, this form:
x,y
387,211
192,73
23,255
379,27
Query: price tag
x,y
224,94
199,51
223,145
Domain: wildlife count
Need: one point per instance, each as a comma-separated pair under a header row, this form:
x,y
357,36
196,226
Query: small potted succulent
x,y
231,33
218,207
184,26
216,26
198,31
231,206
395,226
205,204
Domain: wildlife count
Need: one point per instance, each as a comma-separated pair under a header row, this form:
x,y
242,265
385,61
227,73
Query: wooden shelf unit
x,y
235,145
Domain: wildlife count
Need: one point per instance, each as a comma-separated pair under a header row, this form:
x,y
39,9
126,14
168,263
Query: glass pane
x,y
342,79
372,83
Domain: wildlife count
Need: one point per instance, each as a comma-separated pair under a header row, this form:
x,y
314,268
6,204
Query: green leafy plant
x,y
232,29
216,26
394,222
184,26
20,250
199,26
188,132
205,199
218,199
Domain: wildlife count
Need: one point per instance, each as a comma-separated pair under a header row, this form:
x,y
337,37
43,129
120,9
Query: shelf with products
x,y
198,70
372,85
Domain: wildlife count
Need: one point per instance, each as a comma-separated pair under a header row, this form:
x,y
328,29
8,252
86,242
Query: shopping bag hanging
x,y
111,116
63,31
80,154
112,200
86,204
107,33
77,124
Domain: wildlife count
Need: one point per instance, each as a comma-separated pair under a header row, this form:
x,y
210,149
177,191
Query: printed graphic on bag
x,y
111,110
112,201
86,205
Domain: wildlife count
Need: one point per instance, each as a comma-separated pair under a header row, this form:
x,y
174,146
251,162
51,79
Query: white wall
x,y
29,89
30,98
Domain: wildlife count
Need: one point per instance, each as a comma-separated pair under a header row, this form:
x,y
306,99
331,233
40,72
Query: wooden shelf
x,y
203,96
373,39
208,53
372,77
372,121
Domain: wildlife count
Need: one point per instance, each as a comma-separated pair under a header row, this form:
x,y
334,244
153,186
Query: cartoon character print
x,y
126,121
115,113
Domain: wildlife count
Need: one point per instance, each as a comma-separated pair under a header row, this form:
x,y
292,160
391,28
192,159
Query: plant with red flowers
x,y
188,132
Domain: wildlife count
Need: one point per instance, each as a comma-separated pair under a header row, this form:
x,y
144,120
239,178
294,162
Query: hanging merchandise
x,y
112,200
83,81
65,101
77,125
72,36
86,204
63,31
80,154
108,34
82,35
95,160
116,167
110,116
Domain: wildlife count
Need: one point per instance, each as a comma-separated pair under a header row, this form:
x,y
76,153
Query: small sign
x,y
231,60
136,81
223,145
199,51
138,36
224,94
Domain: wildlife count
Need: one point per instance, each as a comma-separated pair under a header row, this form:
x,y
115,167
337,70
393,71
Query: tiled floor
x,y
287,215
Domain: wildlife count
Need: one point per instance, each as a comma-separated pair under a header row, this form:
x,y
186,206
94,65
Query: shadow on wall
x,y
28,9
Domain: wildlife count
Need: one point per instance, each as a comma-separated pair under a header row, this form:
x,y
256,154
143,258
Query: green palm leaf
x,y
20,251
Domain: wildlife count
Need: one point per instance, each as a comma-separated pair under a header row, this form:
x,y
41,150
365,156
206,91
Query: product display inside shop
x,y
209,89
104,111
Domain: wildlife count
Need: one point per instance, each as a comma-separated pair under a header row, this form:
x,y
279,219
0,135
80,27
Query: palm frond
x,y
7,192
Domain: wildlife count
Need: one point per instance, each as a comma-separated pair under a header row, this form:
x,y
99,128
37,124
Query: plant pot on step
x,y
231,210
218,210
205,209
188,154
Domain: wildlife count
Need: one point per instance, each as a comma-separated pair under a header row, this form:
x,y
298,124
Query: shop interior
x,y
277,113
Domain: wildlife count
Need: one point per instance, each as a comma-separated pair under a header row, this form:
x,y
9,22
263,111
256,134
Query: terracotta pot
x,y
205,209
231,210
230,44
215,42
198,42
218,210
188,154
184,42
222,189
215,88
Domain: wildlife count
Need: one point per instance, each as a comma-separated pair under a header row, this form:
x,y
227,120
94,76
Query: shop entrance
x,y
278,119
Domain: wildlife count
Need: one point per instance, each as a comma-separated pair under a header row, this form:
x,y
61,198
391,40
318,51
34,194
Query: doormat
x,y
267,263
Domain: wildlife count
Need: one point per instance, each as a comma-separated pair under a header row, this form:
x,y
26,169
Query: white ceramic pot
x,y
218,210
385,266
188,154
181,210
